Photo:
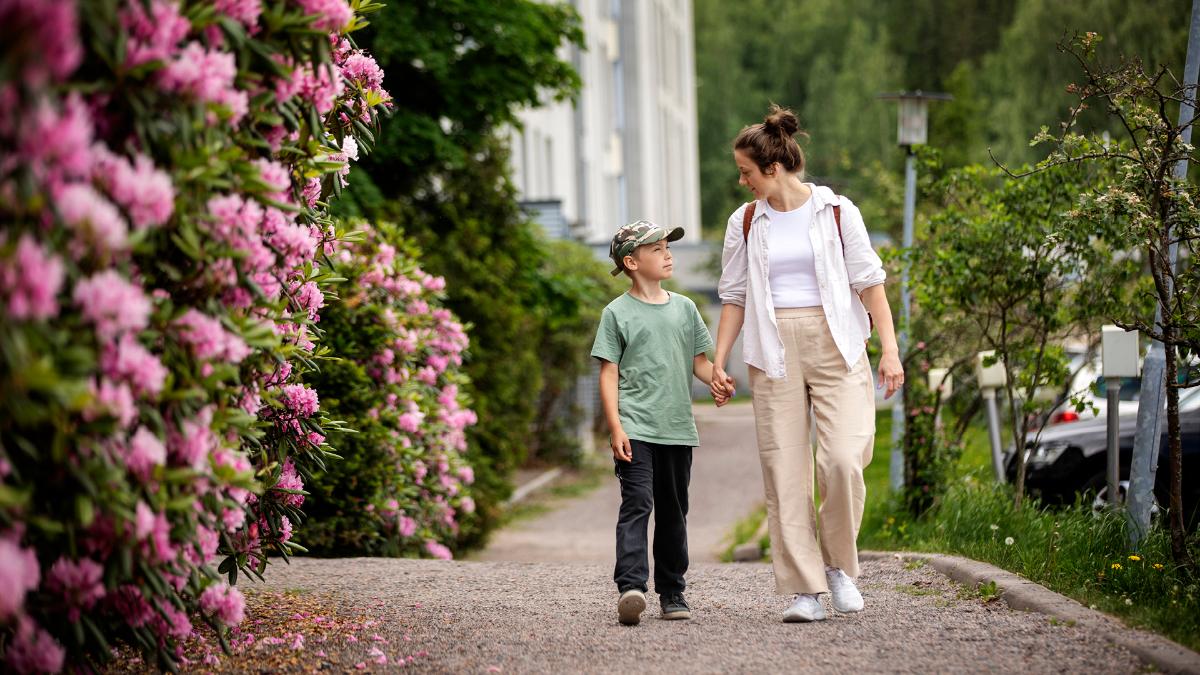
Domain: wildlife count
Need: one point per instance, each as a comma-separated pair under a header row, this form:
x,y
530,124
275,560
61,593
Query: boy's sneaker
x,y
630,607
806,608
846,598
675,607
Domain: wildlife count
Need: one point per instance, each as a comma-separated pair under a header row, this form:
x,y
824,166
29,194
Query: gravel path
x,y
481,617
726,487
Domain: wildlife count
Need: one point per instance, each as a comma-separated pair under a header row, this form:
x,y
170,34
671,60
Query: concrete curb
x,y
532,486
1021,593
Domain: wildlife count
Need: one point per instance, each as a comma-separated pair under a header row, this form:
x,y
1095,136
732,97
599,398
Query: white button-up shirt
x,y
841,277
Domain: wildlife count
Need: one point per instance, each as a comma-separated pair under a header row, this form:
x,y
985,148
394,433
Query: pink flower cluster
x,y
30,281
154,36
208,338
331,15
223,602
208,76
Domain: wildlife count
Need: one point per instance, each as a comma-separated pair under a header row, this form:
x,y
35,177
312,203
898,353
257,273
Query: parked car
x,y
1089,384
1070,460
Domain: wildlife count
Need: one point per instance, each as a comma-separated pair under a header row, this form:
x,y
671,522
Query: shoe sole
x,y
802,619
630,608
676,616
855,610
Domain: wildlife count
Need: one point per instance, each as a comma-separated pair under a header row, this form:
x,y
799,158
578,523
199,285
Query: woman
x,y
801,280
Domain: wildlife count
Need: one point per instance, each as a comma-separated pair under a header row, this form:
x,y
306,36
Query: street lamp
x,y
911,130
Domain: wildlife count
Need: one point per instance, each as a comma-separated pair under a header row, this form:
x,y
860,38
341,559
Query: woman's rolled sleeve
x,y
864,269
734,265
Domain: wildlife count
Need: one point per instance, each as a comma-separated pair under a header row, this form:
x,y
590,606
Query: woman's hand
x,y
891,373
722,386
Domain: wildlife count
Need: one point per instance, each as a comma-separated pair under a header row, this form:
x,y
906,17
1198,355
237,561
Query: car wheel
x,y
1100,500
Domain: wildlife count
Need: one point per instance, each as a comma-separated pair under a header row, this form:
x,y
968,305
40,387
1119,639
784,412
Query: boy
x,y
648,340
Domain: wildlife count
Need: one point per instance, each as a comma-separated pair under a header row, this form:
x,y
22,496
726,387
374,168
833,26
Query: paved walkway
x,y
726,487
540,600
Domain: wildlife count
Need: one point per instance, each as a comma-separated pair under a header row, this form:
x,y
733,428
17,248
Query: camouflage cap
x,y
637,234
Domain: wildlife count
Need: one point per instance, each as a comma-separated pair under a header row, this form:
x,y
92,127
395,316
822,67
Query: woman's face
x,y
750,176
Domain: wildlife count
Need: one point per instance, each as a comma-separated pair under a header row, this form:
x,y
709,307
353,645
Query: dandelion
x,y
995,527
1116,566
1009,541
1158,566
1129,601
1135,558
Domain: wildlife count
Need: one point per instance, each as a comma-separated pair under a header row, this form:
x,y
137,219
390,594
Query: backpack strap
x,y
746,218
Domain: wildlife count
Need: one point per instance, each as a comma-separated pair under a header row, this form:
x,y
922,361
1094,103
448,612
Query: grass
x,y
744,530
1073,551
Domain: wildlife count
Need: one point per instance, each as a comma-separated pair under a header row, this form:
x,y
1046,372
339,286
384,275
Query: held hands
x,y
891,373
622,449
722,387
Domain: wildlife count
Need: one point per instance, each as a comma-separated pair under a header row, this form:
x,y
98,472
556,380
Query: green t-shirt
x,y
653,347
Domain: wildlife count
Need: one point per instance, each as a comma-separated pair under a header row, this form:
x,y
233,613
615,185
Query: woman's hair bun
x,y
781,121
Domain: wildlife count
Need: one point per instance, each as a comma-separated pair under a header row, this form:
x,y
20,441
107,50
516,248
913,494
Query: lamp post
x,y
911,130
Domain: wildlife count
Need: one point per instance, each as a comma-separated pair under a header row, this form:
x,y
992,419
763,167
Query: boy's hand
x,y
722,387
622,449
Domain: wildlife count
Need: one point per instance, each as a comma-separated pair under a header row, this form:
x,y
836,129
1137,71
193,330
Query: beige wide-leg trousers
x,y
843,409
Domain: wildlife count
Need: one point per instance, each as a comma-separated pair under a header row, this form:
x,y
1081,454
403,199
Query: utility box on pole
x,y
1119,359
991,378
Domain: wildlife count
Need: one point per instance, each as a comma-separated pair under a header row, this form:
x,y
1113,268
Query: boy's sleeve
x,y
703,340
608,344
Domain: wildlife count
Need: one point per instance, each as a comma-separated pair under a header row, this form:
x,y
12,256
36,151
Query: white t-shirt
x,y
790,260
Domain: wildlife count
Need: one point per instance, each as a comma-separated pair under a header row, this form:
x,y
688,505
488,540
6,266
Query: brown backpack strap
x,y
837,218
747,216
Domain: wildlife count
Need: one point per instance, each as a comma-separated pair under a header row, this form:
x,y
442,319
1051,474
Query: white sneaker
x,y
806,608
846,598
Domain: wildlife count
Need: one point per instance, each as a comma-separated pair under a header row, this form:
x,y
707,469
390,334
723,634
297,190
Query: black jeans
x,y
657,479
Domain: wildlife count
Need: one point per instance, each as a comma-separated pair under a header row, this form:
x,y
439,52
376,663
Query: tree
x,y
997,258
1145,209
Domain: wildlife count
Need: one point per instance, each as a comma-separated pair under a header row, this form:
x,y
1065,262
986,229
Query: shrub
x,y
162,239
402,485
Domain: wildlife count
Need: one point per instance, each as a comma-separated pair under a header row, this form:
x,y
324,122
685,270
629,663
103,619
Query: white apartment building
x,y
628,148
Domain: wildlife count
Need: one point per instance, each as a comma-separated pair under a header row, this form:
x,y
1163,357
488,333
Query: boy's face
x,y
652,261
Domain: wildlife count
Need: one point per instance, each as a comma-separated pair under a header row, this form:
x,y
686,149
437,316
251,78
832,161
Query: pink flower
x,y
194,441
208,339
177,623
331,15
300,399
207,542
113,399
32,279
132,606
80,584
19,573
285,529
33,650
44,37
432,283
155,37
362,69
410,422
290,480
408,526
437,550
244,11
92,216
145,452
225,603
146,192
467,474
114,304
208,76
277,178
318,87
312,192
310,298
128,360
57,144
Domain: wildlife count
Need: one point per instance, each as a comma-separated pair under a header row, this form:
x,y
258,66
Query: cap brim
x,y
617,271
675,234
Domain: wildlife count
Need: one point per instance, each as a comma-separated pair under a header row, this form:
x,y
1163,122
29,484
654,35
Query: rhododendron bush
x,y
403,487
164,259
